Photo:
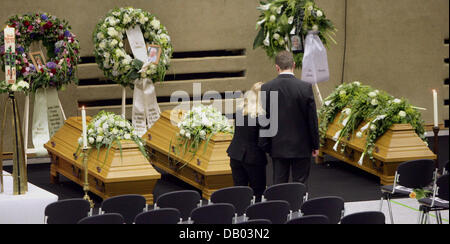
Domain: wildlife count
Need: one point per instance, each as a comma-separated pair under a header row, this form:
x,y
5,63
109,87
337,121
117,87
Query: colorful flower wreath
x,y
280,20
62,52
110,53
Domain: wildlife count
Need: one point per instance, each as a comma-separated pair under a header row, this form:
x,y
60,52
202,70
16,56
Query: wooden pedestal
x,y
399,144
208,171
130,173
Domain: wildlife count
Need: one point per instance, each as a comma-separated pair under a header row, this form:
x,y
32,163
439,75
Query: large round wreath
x,y
62,52
110,53
281,19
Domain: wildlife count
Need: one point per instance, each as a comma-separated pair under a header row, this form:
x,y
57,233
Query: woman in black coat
x,y
248,161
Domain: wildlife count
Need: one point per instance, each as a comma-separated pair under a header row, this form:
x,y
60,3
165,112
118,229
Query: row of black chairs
x,y
419,174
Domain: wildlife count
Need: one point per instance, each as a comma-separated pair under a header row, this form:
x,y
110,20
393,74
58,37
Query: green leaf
x,y
259,39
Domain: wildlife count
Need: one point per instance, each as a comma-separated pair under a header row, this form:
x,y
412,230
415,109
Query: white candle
x,y
435,105
10,49
83,117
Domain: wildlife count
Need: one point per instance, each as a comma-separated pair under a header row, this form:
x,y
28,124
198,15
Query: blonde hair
x,y
251,104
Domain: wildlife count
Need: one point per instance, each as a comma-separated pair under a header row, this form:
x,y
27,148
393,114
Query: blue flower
x,y
67,33
51,65
44,17
20,49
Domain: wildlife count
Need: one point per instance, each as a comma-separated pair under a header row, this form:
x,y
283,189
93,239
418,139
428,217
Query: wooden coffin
x,y
130,173
208,171
399,144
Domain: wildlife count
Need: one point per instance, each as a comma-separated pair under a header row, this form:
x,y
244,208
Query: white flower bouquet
x,y
199,125
108,129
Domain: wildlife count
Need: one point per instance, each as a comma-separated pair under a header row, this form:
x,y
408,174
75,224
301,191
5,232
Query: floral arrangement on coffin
x,y
362,104
62,51
199,125
109,47
108,129
281,19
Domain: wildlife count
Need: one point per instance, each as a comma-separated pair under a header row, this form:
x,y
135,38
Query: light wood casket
x,y
208,171
130,173
399,144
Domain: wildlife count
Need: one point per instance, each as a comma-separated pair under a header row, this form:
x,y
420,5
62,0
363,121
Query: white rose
x,y
99,139
102,45
373,127
155,24
182,132
99,130
310,8
14,87
273,18
372,94
100,36
291,20
202,133
402,114
315,28
397,101
276,36
112,32
359,134
319,13
127,136
22,84
113,43
264,7
115,131
91,140
342,93
188,135
357,83
374,102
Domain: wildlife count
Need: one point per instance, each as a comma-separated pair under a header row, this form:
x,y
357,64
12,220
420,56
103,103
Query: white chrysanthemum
x,y
402,114
372,94
397,101
310,8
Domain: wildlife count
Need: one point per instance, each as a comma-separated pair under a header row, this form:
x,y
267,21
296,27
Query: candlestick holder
x,y
436,145
84,156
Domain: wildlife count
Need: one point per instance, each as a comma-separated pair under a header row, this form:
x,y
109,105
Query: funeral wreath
x,y
62,52
110,52
280,20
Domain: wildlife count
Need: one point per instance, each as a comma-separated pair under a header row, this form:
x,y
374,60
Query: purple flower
x,y
57,50
20,50
44,17
2,49
51,65
67,33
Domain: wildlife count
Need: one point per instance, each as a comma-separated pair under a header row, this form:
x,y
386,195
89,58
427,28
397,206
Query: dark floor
x,y
334,178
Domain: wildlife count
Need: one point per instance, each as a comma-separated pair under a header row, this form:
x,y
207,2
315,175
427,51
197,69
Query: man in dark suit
x,y
297,139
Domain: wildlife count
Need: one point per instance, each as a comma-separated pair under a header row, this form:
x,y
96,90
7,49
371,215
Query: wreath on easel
x,y
109,46
283,24
32,71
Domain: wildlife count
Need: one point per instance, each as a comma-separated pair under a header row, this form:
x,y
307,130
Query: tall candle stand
x,y
84,156
436,145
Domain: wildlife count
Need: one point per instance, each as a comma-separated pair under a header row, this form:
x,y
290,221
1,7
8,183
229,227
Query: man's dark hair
x,y
285,60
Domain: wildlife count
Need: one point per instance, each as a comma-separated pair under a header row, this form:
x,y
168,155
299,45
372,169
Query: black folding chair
x,y
332,207
239,196
410,175
219,213
309,220
293,193
364,218
275,211
256,222
126,205
104,219
437,203
165,216
68,211
184,201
